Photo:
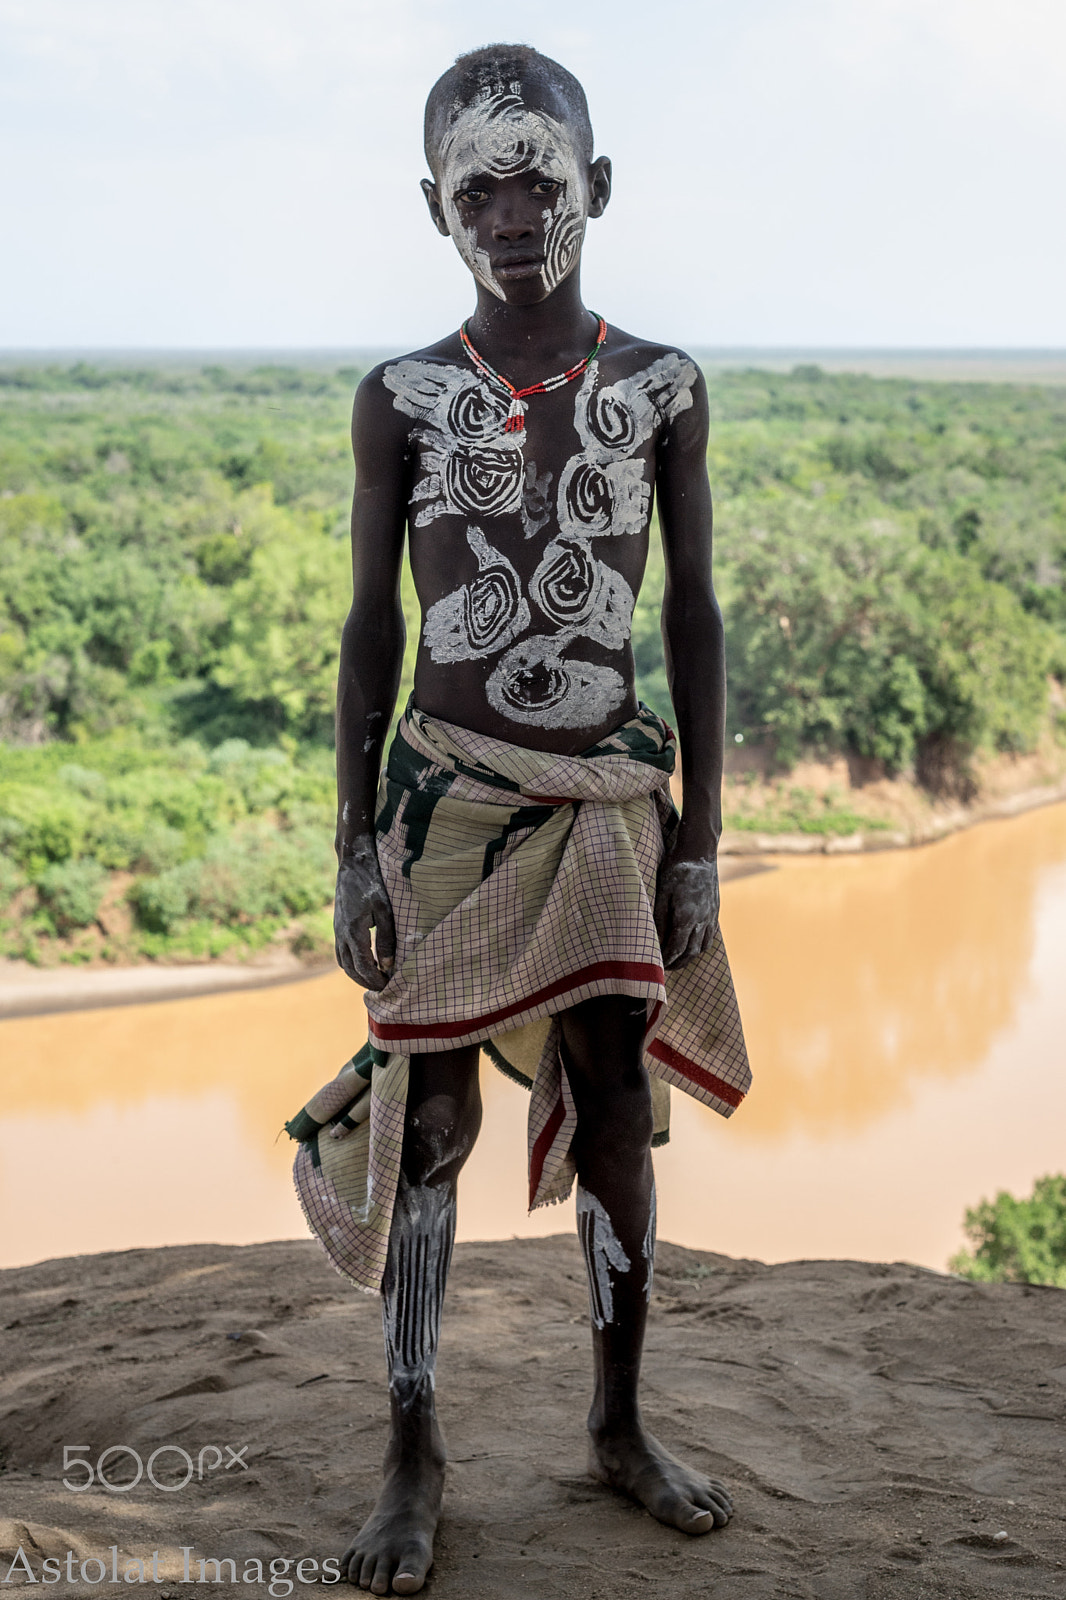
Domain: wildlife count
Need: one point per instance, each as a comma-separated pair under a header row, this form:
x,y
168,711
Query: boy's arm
x,y
686,908
372,644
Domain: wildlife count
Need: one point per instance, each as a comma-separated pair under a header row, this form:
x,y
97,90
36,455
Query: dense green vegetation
x,y
174,574
1018,1241
891,559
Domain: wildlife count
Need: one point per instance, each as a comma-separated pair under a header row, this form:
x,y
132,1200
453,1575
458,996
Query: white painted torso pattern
x,y
471,468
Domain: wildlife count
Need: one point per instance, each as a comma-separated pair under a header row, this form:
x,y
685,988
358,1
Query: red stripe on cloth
x,y
633,971
543,1143
706,1080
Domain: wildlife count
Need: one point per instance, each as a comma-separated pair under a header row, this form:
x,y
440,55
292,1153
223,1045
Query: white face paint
x,y
483,616
603,1251
499,136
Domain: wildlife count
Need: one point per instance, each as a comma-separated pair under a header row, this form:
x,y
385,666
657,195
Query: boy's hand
x,y
686,907
362,903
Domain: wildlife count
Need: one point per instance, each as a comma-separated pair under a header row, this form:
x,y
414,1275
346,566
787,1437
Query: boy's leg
x,y
602,1054
394,1548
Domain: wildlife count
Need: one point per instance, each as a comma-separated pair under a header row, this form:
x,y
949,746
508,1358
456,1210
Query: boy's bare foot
x,y
636,1464
393,1550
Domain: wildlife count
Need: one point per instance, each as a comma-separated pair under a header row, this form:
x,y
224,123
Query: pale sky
x,y
233,173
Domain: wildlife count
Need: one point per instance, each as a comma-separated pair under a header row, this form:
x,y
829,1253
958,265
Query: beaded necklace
x,y
516,415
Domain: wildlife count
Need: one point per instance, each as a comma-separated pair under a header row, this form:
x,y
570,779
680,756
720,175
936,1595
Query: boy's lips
x,y
527,266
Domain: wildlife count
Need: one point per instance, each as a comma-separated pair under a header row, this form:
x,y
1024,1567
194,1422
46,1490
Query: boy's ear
x,y
429,189
599,186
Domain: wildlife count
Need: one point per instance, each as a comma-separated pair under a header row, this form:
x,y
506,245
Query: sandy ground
x,y
889,1433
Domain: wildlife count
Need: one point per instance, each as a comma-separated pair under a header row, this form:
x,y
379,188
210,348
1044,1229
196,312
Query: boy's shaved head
x,y
504,69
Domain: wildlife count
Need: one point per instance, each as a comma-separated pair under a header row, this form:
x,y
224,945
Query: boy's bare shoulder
x,y
639,353
376,398
663,374
447,352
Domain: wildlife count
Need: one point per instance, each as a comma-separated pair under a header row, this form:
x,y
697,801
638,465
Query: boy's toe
x,y
381,1581
693,1518
411,1569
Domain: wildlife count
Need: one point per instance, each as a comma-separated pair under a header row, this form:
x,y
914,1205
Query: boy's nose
x,y
511,225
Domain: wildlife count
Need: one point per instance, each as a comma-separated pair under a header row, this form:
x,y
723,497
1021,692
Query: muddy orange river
x,y
905,1014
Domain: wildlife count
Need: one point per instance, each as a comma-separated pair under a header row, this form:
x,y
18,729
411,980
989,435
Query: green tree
x,y
1017,1241
286,618
70,893
861,637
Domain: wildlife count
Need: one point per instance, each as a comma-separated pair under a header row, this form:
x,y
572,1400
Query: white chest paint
x,y
603,489
471,468
482,617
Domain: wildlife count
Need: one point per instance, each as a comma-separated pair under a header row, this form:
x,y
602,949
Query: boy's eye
x,y
547,186
472,197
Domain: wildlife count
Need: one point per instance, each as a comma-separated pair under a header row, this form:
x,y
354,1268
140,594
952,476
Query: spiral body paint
x,y
482,617
499,136
471,468
603,489
535,686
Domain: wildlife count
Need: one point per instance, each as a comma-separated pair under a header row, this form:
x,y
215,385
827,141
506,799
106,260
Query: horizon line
x,y
7,351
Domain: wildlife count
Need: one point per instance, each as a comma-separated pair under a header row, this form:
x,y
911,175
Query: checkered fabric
x,y
522,883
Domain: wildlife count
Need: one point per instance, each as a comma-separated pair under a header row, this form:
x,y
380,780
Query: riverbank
x,y
68,976
29,991
885,1430
849,805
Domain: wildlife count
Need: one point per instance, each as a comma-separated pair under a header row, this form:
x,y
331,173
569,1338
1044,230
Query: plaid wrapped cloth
x,y
522,883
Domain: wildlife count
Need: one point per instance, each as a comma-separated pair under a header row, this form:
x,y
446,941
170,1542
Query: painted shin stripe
x,y
420,1298
414,1293
631,971
603,1253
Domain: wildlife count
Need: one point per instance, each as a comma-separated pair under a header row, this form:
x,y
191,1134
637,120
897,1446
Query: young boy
x,y
523,833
